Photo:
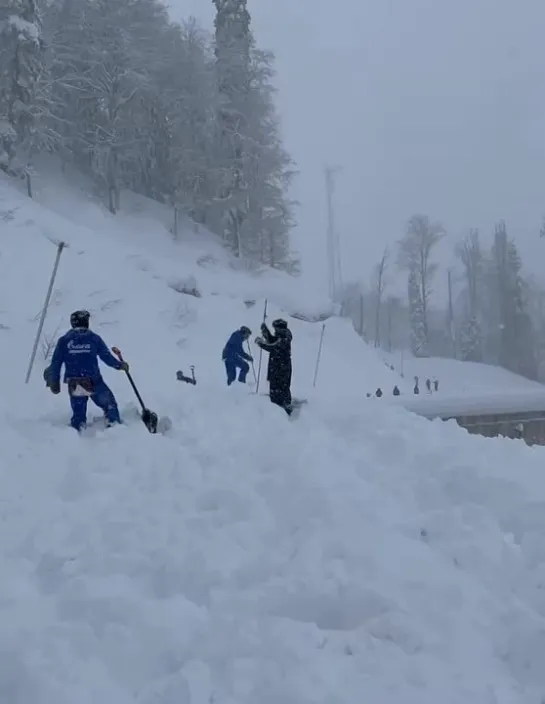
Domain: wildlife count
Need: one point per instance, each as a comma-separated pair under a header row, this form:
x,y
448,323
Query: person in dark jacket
x,y
279,369
235,357
79,350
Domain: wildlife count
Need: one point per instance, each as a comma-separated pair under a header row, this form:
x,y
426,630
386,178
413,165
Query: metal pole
x,y
261,352
253,366
333,242
330,226
319,356
60,248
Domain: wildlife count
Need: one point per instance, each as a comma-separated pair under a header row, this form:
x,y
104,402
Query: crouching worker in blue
x,y
78,350
235,357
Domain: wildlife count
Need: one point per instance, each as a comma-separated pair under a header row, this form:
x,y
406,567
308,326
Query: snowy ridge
x,y
437,406
457,378
359,553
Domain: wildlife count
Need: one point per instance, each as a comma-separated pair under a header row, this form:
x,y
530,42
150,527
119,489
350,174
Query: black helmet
x,y
245,331
80,319
280,324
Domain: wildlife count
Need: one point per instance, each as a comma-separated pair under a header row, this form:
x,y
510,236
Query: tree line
x,y
495,312
135,101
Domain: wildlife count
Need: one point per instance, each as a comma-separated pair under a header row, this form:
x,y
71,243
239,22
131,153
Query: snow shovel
x,y
149,418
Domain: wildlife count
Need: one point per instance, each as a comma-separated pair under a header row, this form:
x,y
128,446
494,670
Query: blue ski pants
x,y
231,366
102,397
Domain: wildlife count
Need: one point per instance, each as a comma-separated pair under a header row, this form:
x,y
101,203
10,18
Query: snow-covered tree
x,y
21,63
419,330
415,251
470,340
471,256
255,170
192,100
510,329
135,101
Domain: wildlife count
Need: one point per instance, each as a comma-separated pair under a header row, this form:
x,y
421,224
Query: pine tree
x,y
192,101
234,43
471,256
507,306
21,63
255,171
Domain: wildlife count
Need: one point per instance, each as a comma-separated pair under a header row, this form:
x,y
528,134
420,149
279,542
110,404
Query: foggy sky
x,y
434,106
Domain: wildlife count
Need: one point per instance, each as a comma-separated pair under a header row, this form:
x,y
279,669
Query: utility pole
x,y
451,331
333,243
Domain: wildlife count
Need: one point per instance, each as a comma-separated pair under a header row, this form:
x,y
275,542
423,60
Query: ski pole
x,y
261,352
253,366
319,356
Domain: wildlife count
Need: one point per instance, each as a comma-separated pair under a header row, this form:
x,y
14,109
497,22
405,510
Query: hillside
x,y
357,553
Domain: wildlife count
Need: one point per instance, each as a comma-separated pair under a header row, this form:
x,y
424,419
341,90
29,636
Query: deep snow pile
x,y
358,553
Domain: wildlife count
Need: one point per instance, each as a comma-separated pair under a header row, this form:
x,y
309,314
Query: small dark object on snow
x,y
435,385
428,384
188,379
396,391
149,418
378,393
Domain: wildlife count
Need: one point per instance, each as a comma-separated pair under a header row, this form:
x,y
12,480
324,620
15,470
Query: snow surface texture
x,y
358,554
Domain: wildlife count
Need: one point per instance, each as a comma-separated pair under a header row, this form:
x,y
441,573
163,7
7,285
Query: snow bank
x,y
461,378
438,406
358,553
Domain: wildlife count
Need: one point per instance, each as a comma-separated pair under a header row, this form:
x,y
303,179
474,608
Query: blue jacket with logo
x,y
79,350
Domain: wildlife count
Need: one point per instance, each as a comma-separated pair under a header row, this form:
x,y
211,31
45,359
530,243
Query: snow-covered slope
x,y
462,378
357,553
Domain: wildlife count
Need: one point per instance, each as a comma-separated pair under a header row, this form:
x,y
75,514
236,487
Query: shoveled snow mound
x,y
342,557
356,553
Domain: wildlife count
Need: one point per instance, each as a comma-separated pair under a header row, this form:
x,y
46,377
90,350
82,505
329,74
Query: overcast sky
x,y
434,106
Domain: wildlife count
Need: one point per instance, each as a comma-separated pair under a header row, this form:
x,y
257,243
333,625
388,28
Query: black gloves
x,y
53,386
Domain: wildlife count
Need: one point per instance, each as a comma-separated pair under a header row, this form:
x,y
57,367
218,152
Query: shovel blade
x,y
150,420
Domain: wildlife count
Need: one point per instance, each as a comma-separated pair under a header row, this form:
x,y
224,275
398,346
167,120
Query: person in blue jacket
x,y
234,356
78,350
